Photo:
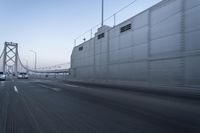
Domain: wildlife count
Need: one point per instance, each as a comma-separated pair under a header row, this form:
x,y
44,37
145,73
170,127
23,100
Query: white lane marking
x,y
2,84
15,89
71,85
43,86
54,89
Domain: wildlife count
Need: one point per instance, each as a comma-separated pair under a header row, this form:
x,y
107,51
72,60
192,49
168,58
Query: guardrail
x,y
50,71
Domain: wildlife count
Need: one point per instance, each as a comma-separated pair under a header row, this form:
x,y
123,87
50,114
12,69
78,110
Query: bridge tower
x,y
10,56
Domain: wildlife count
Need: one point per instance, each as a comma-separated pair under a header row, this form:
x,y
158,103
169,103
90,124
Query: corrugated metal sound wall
x,y
160,46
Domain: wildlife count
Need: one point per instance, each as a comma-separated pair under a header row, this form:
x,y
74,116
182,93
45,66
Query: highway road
x,y
42,106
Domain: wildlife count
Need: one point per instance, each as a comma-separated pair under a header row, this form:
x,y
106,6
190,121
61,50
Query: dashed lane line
x,y
54,89
15,89
71,85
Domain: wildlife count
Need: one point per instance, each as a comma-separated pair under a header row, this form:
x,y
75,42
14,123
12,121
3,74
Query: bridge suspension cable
x,y
42,71
1,55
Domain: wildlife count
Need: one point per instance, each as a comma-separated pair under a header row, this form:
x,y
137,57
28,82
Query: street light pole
x,y
102,14
35,58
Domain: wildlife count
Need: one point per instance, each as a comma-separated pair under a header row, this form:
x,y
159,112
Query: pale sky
x,y
50,26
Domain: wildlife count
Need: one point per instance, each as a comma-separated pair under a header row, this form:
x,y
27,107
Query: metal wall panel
x,y
97,47
124,71
125,39
104,47
114,32
114,70
98,60
168,27
85,72
114,44
140,52
166,72
140,71
192,41
163,11
140,36
84,57
100,72
114,57
125,54
103,59
192,3
140,20
192,70
192,19
166,45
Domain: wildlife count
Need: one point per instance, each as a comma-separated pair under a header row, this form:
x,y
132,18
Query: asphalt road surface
x,y
34,106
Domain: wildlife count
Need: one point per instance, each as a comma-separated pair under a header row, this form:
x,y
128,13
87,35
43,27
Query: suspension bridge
x,y
10,62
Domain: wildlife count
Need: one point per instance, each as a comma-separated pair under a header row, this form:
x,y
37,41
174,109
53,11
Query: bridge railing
x,y
50,76
44,72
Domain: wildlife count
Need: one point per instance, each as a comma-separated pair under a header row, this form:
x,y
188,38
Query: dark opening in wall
x,y
80,48
101,36
125,28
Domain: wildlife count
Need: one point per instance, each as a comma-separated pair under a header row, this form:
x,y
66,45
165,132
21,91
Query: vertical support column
x,y
183,73
16,59
4,57
94,55
149,49
108,56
